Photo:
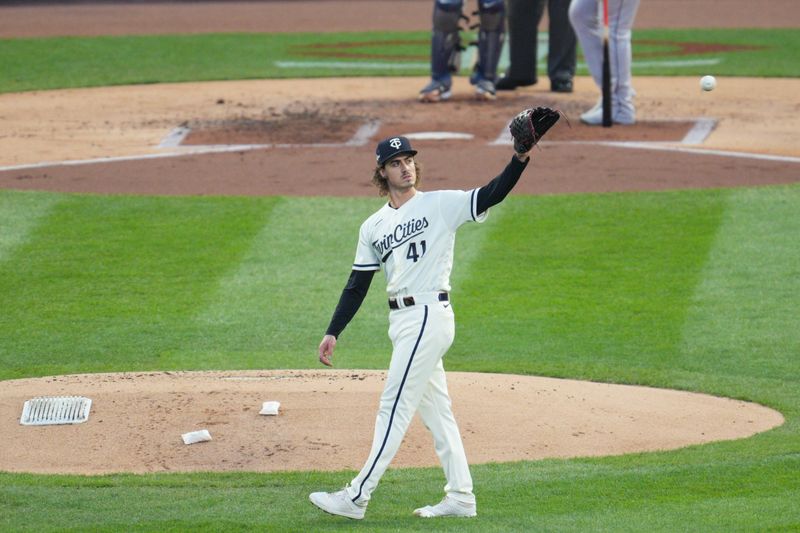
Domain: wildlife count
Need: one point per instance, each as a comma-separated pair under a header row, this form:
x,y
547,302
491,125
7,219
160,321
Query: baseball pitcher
x,y
411,239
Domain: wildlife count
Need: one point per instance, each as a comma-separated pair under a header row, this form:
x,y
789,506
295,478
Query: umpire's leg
x,y
523,21
562,43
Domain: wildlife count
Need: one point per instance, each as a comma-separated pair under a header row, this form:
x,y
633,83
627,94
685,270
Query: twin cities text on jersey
x,y
402,233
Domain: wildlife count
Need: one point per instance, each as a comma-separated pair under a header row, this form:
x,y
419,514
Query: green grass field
x,y
52,63
694,290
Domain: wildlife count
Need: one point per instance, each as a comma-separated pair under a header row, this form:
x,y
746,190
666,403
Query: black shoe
x,y
508,84
561,86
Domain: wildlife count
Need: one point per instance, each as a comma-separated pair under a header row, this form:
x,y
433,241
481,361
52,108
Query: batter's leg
x,y
620,23
437,415
420,335
583,14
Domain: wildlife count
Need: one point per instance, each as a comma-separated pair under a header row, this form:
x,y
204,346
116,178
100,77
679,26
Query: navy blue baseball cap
x,y
391,147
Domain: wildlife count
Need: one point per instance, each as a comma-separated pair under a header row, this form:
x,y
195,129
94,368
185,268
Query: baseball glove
x,y
530,125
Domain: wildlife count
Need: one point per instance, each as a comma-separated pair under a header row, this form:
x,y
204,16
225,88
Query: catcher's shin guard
x,y
446,42
490,38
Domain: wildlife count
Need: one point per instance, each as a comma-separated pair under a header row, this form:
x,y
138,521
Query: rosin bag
x,y
270,408
196,436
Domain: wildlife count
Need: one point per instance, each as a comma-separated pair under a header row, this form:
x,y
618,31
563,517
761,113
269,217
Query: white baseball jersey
x,y
414,244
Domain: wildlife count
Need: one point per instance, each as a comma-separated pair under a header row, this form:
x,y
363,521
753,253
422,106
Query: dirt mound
x,y
326,421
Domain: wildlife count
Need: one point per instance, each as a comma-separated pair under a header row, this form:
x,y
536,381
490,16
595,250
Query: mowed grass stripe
x,y
587,285
541,277
744,319
20,212
278,301
610,494
621,493
108,283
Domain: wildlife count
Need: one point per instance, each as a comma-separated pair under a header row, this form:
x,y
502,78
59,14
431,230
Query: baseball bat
x,y
606,71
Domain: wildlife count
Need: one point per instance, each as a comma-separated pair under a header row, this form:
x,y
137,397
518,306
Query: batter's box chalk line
x,y
174,141
53,410
172,147
689,144
439,136
699,132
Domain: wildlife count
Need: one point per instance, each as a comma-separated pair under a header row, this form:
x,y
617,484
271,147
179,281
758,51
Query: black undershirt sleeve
x,y
496,190
350,300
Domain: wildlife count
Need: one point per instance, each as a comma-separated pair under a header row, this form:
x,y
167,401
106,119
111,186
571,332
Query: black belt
x,y
408,301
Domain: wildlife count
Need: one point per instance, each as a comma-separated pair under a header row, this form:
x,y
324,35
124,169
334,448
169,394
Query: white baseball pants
x,y
421,335
586,18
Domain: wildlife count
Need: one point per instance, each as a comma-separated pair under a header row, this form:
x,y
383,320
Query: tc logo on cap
x,y
391,147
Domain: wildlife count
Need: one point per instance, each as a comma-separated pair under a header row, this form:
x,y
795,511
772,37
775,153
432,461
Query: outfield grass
x,y
67,62
693,290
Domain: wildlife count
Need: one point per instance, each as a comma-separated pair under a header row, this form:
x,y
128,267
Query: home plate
x,y
439,136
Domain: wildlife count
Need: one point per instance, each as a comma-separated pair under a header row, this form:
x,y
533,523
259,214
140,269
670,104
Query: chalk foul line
x,y
172,143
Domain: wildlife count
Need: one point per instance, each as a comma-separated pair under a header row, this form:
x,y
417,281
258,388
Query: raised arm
x,y
496,190
527,129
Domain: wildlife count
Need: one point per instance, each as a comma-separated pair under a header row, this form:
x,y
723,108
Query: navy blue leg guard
x,y
490,39
445,42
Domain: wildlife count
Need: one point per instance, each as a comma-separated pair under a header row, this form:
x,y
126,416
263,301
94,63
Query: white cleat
x,y
447,507
338,503
594,117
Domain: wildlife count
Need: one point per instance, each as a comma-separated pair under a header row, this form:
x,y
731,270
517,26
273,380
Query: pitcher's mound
x,y
326,420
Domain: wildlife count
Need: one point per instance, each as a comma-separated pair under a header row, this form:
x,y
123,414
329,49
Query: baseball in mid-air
x,y
707,83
